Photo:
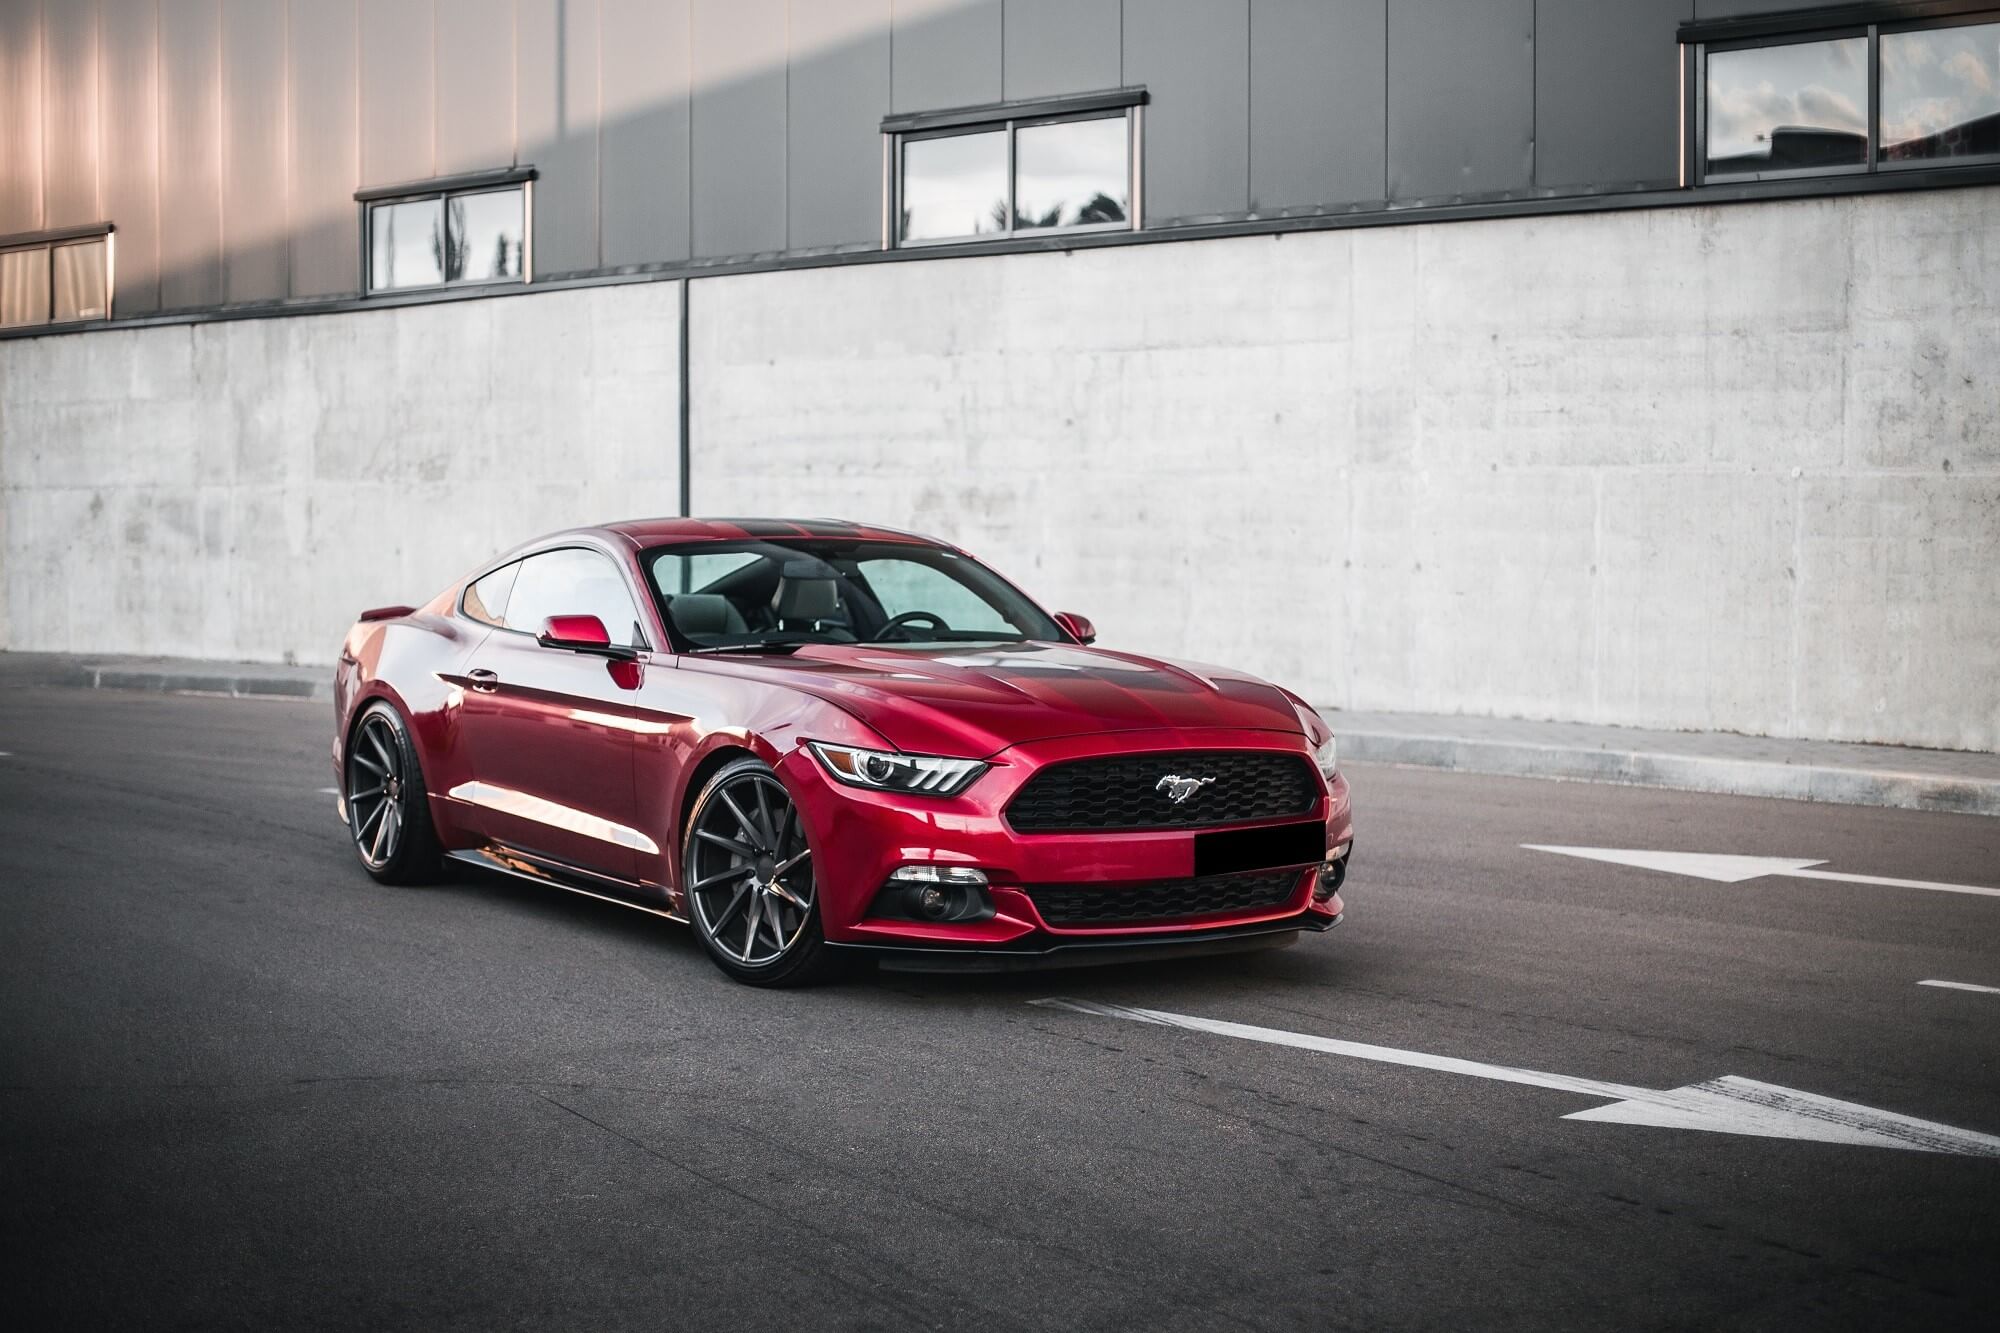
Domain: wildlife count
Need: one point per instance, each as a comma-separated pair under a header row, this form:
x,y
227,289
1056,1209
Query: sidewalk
x,y
1954,781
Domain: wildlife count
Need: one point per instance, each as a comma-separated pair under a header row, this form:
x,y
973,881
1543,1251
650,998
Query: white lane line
x,y
1962,985
1737,869
1726,1105
329,791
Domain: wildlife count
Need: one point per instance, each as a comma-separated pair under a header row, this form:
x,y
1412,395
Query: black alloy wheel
x,y
748,872
388,810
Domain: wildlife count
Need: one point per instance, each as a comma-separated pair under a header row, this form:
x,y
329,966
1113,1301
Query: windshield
x,y
757,594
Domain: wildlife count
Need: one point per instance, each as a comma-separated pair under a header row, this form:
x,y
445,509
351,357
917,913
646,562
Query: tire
x,y
388,805
746,867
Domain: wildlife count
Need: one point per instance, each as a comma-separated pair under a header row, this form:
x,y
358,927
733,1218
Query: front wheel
x,y
388,807
751,893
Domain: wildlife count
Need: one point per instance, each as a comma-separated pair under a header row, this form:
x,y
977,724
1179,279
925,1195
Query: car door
x,y
549,731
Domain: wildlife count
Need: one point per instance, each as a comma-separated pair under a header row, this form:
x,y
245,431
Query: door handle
x,y
486,682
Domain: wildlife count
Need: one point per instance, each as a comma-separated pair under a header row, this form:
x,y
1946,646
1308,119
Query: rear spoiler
x,y
387,613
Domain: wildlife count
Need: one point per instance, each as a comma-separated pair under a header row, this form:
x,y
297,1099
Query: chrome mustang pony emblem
x,y
1178,788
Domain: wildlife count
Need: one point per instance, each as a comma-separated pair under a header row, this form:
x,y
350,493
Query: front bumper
x,y
861,836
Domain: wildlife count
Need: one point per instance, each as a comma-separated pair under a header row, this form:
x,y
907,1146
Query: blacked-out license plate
x,y
1234,850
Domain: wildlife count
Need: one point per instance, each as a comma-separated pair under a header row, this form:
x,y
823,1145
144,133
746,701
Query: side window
x,y
907,585
486,599
573,582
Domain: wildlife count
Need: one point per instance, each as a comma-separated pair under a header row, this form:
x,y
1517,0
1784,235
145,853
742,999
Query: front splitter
x,y
1048,952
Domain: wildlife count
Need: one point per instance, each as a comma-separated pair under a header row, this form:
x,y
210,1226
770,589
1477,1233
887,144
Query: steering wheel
x,y
910,617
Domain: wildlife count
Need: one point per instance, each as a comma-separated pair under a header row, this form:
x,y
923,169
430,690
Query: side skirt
x,y
540,870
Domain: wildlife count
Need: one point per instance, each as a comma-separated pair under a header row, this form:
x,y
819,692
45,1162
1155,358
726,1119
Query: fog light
x,y
934,893
1332,873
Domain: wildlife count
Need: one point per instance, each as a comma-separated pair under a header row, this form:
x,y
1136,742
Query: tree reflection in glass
x,y
1070,174
955,186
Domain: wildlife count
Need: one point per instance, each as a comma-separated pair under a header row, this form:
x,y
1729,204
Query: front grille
x,y
1086,905
1123,791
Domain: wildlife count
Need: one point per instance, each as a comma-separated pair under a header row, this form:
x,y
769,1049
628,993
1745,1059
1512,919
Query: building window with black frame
x,y
1014,170
55,277
455,232
1864,98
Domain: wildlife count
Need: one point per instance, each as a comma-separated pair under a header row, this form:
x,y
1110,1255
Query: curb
x,y
235,685
1900,790
240,682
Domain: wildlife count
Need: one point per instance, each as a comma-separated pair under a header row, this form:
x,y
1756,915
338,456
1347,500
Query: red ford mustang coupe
x,y
811,740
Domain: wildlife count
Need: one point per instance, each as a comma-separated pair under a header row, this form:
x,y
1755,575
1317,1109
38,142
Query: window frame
x,y
48,242
1009,119
444,189
1891,21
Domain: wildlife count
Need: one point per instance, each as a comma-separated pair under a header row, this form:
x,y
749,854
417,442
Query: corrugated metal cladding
x,y
226,138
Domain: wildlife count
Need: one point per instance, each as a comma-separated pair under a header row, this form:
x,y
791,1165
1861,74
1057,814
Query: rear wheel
x,y
751,893
388,808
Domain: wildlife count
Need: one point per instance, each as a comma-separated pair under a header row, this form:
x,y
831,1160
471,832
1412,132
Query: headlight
x,y
1325,757
890,770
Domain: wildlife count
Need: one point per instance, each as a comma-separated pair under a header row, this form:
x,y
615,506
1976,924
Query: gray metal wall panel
x,y
1461,97
255,215
326,157
1729,9
1607,91
1317,121
129,114
475,85
645,192
20,115
557,106
839,93
190,153
947,53
398,94
738,130
72,140
1193,55
1061,46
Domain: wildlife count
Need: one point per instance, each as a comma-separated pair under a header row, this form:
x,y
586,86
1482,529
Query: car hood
x,y
979,700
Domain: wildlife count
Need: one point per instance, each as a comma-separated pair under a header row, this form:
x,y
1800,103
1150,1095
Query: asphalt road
x,y
243,1086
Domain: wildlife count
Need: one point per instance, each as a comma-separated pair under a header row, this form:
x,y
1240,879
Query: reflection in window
x,y
80,281
469,237
1071,173
573,582
1797,107
406,245
955,186
55,281
485,237
24,287
1007,177
1940,93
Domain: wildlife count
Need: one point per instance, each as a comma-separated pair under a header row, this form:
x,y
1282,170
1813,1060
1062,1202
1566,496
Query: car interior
x,y
779,596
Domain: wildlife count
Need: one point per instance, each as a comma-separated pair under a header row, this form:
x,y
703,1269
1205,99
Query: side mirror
x,y
1077,627
581,634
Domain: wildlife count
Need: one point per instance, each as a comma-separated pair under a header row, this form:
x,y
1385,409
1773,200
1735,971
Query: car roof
x,y
643,532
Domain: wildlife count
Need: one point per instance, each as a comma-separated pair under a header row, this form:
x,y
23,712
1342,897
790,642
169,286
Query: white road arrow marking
x,y
1962,985
1736,869
1727,1105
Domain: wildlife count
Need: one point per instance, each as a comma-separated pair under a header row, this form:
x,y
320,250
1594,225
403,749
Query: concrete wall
x,y
242,489
1729,467
1726,467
